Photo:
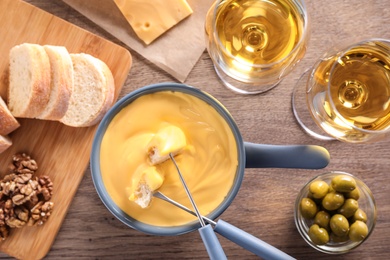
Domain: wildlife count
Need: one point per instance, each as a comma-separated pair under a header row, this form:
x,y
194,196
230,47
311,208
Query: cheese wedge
x,y
151,18
144,182
169,139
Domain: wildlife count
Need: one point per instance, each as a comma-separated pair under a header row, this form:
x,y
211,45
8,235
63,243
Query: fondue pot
x,y
250,155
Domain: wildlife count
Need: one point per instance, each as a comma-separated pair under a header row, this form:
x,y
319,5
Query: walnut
x,y
24,198
10,216
2,217
33,200
40,213
12,184
22,163
22,213
23,178
9,177
7,209
46,187
19,217
20,199
25,191
8,188
4,232
15,222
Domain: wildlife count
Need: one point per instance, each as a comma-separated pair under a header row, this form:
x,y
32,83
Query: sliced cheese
x,y
151,18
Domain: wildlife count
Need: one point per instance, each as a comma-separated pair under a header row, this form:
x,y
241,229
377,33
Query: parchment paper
x,y
176,51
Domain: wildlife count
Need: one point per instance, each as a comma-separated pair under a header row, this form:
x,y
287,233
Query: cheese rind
x,y
151,18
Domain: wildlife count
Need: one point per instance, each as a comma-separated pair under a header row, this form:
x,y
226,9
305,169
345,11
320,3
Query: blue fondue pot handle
x,y
249,242
211,242
285,156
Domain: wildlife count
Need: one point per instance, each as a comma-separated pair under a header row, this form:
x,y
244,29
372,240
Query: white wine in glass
x,y
255,43
348,92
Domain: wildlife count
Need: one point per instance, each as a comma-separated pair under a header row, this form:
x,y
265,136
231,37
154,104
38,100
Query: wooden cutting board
x,y
61,152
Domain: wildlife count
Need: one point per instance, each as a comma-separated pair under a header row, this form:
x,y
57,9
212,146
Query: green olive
x,y
319,189
358,231
339,225
359,215
349,208
308,208
318,235
354,194
322,219
343,183
333,201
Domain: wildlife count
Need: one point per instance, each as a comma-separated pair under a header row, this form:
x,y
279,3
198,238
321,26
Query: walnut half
x,y
40,213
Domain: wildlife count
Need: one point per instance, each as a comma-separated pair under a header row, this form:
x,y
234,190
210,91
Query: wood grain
x,y
62,152
264,204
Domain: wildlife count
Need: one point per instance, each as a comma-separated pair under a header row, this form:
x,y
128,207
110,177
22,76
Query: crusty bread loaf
x,y
46,82
93,91
5,142
29,80
8,123
61,82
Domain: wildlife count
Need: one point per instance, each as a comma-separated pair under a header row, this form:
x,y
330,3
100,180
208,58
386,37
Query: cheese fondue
x,y
208,162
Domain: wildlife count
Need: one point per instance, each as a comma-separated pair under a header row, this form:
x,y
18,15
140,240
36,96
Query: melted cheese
x,y
208,162
151,18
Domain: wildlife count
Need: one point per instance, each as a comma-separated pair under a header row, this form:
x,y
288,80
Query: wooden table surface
x,y
264,204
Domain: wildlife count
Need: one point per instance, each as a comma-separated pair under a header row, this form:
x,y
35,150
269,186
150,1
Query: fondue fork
x,y
210,240
234,234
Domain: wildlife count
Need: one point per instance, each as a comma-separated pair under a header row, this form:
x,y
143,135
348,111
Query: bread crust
x,y
103,87
5,143
8,123
49,83
36,62
61,82
110,93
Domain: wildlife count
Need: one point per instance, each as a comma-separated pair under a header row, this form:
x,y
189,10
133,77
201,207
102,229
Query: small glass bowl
x,y
366,203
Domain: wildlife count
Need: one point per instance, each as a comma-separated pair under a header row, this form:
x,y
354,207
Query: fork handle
x,y
211,242
250,242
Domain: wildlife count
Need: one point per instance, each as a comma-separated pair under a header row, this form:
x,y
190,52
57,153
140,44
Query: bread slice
x,y
5,143
8,123
61,82
93,91
169,139
145,181
29,80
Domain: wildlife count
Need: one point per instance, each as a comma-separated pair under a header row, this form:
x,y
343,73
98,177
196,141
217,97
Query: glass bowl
x,y
366,202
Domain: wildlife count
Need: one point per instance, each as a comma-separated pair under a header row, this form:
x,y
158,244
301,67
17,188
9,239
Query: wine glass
x,y
254,44
346,94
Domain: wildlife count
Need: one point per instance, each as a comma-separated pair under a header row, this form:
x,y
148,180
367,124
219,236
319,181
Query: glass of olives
x,y
335,212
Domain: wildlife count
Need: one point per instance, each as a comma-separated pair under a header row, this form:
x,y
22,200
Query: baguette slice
x,y
5,143
61,82
8,123
93,91
168,139
29,80
145,182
